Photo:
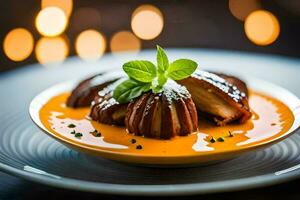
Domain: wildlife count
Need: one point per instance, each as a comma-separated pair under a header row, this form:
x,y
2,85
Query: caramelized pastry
x,y
219,98
86,90
163,115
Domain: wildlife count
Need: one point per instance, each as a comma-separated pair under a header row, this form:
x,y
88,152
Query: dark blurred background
x,y
89,28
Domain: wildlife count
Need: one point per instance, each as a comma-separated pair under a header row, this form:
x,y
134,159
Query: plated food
x,y
172,113
167,108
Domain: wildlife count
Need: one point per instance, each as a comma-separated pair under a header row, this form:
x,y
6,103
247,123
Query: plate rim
x,y
152,190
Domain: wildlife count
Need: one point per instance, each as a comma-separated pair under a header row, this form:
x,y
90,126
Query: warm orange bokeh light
x,y
18,44
51,21
65,5
242,8
90,45
262,27
125,41
147,22
51,50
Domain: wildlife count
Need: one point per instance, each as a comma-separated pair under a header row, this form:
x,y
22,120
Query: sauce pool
x,y
271,119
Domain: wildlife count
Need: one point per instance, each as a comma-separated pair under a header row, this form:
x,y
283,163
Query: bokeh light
x,y
242,8
262,27
65,5
90,45
124,41
147,22
51,21
51,50
86,18
18,44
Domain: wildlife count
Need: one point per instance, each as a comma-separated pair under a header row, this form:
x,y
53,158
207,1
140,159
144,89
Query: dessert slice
x,y
217,97
163,115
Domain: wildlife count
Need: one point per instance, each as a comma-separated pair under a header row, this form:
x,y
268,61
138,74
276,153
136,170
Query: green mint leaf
x,y
141,70
182,68
130,89
162,60
161,79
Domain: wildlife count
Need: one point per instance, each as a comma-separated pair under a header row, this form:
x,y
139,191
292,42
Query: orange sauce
x,y
271,119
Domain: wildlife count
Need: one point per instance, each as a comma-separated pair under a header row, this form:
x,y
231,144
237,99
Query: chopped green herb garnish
x,y
139,146
212,140
78,135
133,141
73,132
96,133
143,75
71,126
220,139
230,134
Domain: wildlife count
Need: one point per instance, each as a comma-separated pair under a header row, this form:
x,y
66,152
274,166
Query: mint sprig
x,y
144,75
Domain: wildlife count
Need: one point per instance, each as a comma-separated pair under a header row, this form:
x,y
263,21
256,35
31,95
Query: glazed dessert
x,y
86,90
222,100
105,109
164,101
164,115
